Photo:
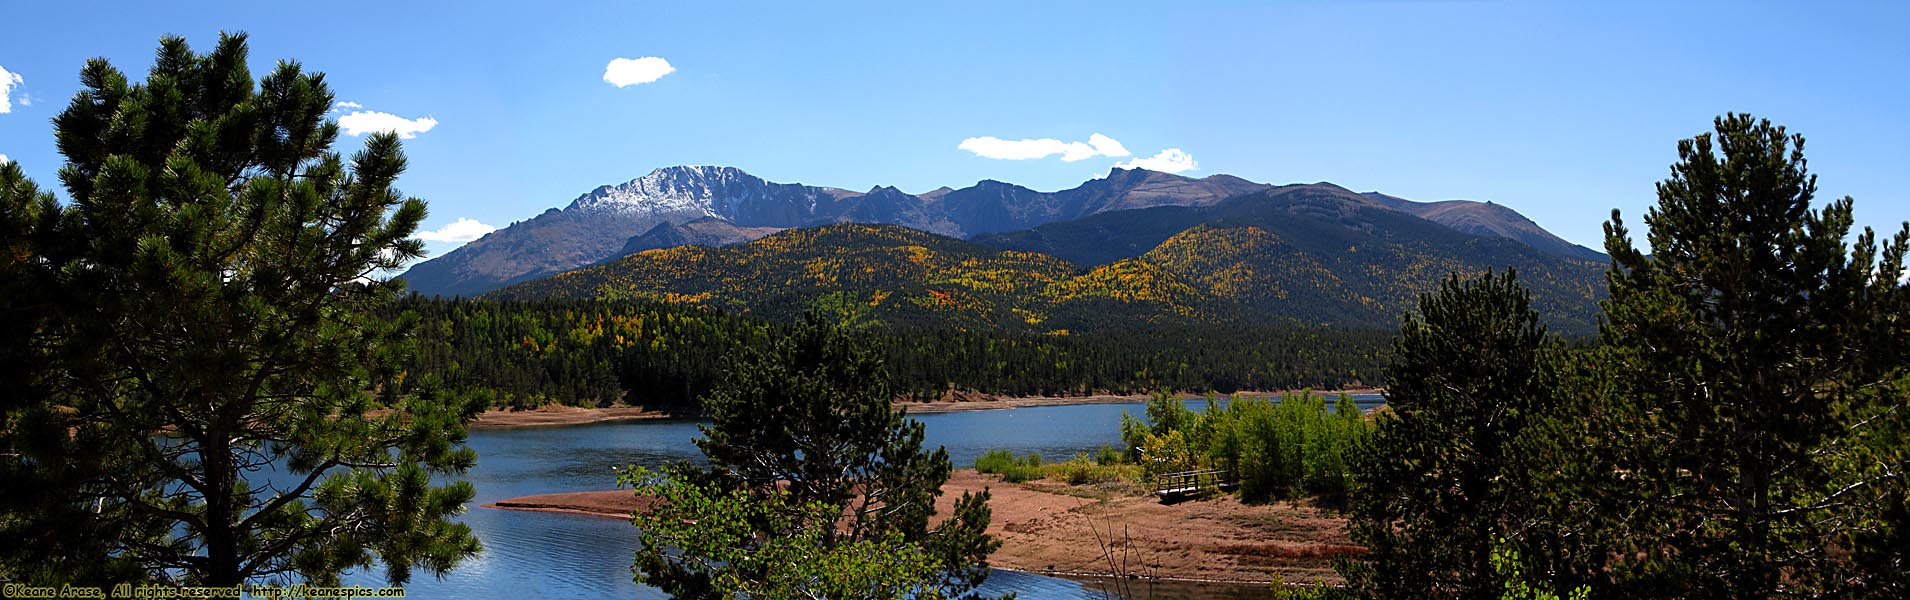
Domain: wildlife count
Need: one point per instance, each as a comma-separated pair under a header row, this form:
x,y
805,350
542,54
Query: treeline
x,y
1188,358
523,354
578,353
1295,446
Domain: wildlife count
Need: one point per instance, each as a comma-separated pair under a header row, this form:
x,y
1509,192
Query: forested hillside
x,y
1315,254
1254,264
592,352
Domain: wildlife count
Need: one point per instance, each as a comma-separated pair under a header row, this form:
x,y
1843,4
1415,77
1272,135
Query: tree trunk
x,y
222,544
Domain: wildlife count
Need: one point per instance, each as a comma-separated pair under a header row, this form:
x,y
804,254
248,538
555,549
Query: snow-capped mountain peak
x,y
711,191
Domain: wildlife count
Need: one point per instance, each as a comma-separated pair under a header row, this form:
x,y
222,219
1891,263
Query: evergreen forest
x,y
523,354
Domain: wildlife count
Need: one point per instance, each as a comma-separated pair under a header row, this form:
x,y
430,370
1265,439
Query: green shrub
x,y
1134,434
1019,473
1082,470
1106,455
1318,590
1294,446
1506,564
1167,454
1011,469
995,461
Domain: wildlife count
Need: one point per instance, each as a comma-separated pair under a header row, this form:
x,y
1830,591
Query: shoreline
x,y
967,402
1054,529
612,504
555,415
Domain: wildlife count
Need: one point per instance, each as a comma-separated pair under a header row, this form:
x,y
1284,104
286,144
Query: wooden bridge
x,y
1184,484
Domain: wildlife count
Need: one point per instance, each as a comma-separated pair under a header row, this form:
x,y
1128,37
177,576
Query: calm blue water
x,y
530,555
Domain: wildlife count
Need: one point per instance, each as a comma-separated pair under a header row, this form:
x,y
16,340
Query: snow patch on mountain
x,y
709,191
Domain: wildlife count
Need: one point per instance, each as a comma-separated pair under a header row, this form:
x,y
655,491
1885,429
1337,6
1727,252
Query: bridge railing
x,y
1191,482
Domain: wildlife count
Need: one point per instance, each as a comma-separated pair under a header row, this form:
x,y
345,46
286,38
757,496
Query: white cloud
x,y
626,72
8,79
4,159
370,121
1171,160
458,232
342,105
997,148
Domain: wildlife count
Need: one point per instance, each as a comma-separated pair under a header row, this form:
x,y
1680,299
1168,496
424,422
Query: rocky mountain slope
x,y
1488,219
724,205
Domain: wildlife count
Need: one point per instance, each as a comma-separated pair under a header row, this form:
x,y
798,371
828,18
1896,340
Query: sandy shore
x,y
980,402
1057,529
969,401
558,416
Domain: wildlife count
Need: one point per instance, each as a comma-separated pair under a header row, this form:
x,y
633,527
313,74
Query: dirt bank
x,y
554,415
1052,528
557,416
611,503
958,401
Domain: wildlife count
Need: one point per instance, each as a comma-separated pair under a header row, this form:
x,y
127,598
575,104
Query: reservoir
x,y
532,555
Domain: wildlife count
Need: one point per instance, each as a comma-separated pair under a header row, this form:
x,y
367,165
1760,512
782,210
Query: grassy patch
x,y
1009,467
1082,470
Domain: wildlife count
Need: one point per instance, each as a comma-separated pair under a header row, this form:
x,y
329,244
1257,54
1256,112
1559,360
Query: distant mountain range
x,y
1306,255
1124,215
1206,274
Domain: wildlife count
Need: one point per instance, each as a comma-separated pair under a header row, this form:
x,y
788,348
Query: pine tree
x,y
210,394
807,427
1758,382
47,529
1439,481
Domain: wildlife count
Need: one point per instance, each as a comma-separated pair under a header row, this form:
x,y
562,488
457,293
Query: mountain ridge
x,y
606,222
1208,274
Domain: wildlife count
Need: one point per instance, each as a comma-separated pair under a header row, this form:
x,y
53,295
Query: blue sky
x,y
1561,111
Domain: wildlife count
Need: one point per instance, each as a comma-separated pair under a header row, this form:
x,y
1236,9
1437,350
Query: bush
x,y
995,461
1168,453
1106,455
1011,469
1134,434
1082,470
1295,446
1318,590
1021,473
